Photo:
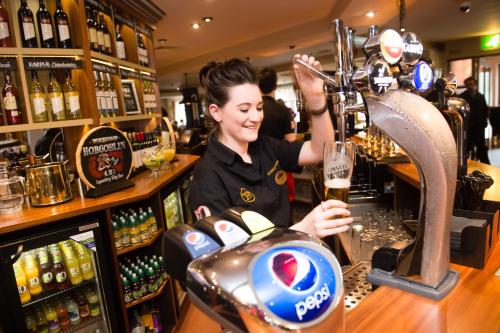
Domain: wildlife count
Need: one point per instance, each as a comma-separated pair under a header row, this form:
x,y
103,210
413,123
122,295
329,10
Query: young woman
x,y
241,168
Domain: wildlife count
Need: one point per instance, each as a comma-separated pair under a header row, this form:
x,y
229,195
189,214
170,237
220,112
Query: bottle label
x,y
126,239
107,41
100,38
115,102
135,238
93,35
86,267
57,104
34,282
10,103
74,317
46,30
73,102
61,277
22,289
4,30
47,277
38,104
28,28
120,50
109,102
63,30
73,272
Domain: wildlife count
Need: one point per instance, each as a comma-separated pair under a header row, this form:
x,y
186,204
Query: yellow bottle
x,y
51,316
85,260
135,233
22,283
32,274
72,265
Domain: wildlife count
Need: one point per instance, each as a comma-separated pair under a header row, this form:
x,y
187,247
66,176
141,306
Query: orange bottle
x,y
32,274
22,283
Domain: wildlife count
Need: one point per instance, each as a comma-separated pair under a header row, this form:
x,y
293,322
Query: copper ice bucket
x,y
48,184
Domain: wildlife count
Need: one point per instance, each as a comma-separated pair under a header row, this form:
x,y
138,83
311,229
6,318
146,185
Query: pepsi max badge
x,y
298,283
198,243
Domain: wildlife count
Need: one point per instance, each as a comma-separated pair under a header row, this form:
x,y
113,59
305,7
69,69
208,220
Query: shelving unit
x,y
149,296
49,295
132,117
128,249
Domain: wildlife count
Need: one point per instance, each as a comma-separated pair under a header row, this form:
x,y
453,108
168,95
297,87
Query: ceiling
x,y
268,33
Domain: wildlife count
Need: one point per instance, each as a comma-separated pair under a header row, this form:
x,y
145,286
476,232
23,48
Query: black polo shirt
x,y
277,119
222,179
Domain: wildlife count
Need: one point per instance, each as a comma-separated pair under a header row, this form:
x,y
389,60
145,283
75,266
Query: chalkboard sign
x,y
130,97
104,68
150,78
126,74
104,160
52,63
8,64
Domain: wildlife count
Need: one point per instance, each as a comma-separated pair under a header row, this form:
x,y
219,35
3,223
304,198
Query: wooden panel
x,y
144,187
473,306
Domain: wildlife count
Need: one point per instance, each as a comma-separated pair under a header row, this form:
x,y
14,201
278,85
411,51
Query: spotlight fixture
x,y
370,14
207,19
162,40
195,26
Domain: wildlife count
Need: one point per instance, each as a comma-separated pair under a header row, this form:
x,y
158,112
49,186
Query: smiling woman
x,y
243,168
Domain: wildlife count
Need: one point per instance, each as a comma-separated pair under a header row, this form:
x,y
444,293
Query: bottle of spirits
x,y
71,98
62,27
56,98
120,44
92,28
114,95
27,25
107,36
37,99
44,19
11,102
5,38
100,33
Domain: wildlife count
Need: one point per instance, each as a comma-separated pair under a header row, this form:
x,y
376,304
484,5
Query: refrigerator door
x,y
58,281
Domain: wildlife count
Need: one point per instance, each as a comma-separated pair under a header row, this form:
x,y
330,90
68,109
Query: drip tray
x,y
356,289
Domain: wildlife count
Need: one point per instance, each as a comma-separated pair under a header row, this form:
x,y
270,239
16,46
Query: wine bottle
x,y
114,95
11,101
56,98
101,104
37,99
91,26
5,38
45,26
106,93
107,36
27,25
62,27
120,44
100,33
71,97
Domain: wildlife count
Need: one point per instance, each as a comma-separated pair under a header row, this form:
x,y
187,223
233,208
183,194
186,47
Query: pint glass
x,y
338,163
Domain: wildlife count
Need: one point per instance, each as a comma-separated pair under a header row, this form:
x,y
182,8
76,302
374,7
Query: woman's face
x,y
242,115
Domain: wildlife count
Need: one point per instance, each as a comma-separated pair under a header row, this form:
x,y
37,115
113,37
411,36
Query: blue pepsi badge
x,y
297,283
423,76
198,243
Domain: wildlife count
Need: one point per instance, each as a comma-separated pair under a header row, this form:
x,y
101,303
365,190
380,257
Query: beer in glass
x,y
338,163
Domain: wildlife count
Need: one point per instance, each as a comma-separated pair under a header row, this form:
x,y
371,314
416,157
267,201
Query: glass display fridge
x,y
57,281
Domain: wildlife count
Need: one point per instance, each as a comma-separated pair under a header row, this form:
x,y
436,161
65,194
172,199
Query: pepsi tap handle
x,y
319,74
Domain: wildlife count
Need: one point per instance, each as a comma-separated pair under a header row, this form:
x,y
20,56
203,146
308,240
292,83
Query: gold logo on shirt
x,y
246,195
280,177
275,165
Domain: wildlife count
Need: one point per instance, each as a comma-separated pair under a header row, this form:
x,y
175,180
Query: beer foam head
x,y
338,183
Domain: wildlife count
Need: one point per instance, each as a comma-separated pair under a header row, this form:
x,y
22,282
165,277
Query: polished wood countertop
x,y
144,187
472,306
408,172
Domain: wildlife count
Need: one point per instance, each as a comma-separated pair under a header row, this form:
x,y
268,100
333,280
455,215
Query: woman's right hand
x,y
329,218
310,85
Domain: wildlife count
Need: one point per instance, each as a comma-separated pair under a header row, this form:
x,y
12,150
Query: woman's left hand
x,y
328,218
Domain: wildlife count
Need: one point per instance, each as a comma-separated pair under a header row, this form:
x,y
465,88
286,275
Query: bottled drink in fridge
x,y
41,321
37,99
62,315
93,299
62,27
46,270
127,291
59,268
27,25
22,283
44,19
30,322
32,274
85,260
72,264
51,316
83,306
5,37
125,231
72,307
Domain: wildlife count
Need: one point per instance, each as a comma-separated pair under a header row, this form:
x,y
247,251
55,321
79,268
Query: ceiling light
x,y
402,29
370,14
162,41
207,19
195,26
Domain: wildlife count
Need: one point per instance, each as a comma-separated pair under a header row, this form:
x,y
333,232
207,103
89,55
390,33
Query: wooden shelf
x,y
9,51
120,62
44,125
148,296
118,119
138,246
29,52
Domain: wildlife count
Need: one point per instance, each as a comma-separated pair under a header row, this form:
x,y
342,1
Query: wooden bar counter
x,y
144,187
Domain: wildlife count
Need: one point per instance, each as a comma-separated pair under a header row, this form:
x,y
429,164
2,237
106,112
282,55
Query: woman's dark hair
x,y
222,76
202,75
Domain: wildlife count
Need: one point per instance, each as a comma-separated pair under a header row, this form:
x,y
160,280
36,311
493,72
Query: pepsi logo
x,y
225,227
391,46
294,270
195,238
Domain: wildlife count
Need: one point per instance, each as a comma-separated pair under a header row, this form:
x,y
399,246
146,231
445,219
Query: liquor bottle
x,y
5,38
100,32
11,102
62,27
107,35
108,101
45,26
27,25
56,98
120,44
114,95
37,99
71,98
92,28
46,270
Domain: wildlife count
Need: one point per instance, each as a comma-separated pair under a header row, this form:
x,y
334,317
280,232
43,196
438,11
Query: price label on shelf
x,y
8,64
51,63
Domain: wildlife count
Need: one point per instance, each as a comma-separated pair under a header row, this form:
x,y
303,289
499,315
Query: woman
x,y
241,168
